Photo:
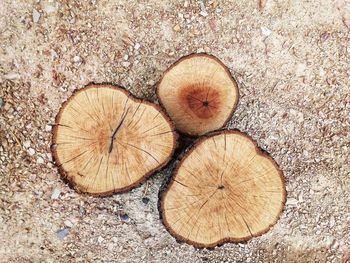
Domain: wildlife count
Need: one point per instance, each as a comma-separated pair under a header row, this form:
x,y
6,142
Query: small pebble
x,y
329,241
68,223
125,64
300,198
11,76
82,210
54,54
49,7
40,160
76,59
100,239
48,128
265,31
292,201
204,13
36,16
335,244
31,151
145,200
26,144
32,177
124,217
61,234
137,46
177,28
332,221
110,247
49,156
2,102
55,194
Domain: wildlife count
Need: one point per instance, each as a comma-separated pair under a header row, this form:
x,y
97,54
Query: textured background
x,y
291,60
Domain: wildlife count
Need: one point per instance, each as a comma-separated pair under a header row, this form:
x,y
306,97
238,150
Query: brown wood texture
x,y
106,141
224,189
199,94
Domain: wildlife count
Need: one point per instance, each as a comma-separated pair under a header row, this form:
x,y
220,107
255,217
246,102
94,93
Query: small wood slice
x,y
105,140
198,93
223,190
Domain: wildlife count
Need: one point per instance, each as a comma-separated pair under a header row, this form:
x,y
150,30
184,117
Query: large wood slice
x,y
105,140
224,189
198,93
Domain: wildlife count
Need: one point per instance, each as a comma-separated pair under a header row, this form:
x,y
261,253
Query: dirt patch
x,y
291,60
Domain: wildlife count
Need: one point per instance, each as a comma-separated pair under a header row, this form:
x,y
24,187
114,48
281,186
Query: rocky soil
x,y
291,60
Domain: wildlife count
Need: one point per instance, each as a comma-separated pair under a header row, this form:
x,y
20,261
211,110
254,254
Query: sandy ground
x,y
292,62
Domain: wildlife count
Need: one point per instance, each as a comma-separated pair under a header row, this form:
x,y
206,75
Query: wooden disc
x,y
105,140
223,190
198,93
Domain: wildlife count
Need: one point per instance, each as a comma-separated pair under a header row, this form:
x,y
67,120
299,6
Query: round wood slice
x,y
106,141
198,93
225,189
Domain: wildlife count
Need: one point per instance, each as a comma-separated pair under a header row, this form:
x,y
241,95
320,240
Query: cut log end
x,y
223,190
199,94
103,134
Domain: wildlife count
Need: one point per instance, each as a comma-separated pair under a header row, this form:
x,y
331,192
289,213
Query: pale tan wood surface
x,y
224,189
106,141
198,93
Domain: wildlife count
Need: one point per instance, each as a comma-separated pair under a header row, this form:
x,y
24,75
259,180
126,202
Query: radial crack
x,y
140,149
116,130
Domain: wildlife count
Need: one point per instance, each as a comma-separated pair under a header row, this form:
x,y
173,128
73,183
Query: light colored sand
x,y
292,64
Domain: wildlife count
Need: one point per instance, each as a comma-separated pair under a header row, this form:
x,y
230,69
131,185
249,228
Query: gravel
x,y
145,200
76,59
31,151
40,160
68,223
61,234
36,16
55,194
11,76
290,59
124,217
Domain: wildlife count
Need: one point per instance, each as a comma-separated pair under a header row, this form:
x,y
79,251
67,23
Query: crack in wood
x,y
116,130
134,126
92,106
133,115
143,150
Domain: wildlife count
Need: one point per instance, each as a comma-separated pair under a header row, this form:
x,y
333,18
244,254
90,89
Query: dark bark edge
x,y
235,83
170,180
69,179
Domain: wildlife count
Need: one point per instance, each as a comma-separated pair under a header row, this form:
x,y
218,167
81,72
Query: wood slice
x,y
198,93
224,189
105,140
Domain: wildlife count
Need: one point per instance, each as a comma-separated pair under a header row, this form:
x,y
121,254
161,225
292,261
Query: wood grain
x,y
223,190
199,94
107,141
